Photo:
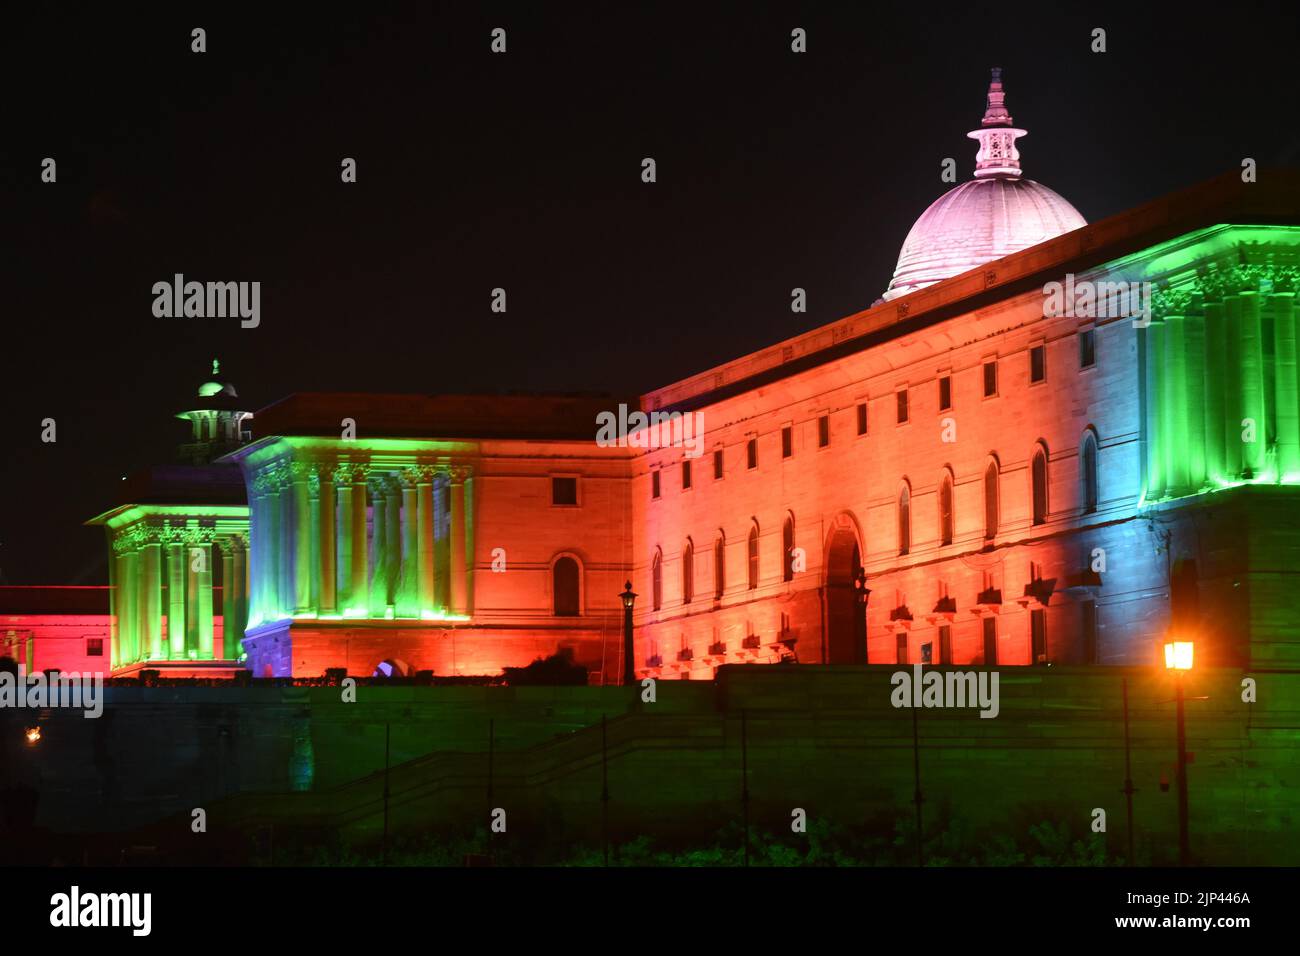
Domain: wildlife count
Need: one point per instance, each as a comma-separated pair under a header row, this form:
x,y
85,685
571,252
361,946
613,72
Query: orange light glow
x,y
1178,655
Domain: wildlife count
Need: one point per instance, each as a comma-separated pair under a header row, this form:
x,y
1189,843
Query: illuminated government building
x,y
957,474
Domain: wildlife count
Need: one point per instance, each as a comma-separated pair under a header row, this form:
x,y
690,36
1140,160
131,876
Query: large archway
x,y
846,625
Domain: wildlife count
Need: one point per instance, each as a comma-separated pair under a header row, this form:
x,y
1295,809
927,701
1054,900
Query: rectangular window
x,y
717,463
902,406
1038,636
990,642
862,418
900,648
927,653
751,453
654,484
945,393
1089,632
787,441
94,647
686,475
823,431
945,645
990,378
564,491
1087,348
1037,364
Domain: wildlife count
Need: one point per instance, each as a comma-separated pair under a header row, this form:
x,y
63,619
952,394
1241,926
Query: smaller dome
x,y
209,389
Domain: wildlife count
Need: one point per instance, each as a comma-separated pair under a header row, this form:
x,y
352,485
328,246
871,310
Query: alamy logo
x,y
39,691
1098,300
656,430
946,689
208,300
74,908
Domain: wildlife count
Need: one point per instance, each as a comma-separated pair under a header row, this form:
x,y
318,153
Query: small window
x,y
991,501
900,648
927,653
1087,348
751,453
654,484
945,393
657,581
94,647
717,463
719,566
990,642
904,521
823,431
946,522
753,557
688,573
1088,473
1037,364
990,379
862,418
787,548
787,441
686,474
902,406
564,491
945,645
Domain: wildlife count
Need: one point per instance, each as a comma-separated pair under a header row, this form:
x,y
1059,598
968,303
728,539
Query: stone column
x,y
1233,410
151,604
327,505
228,590
379,542
1175,398
1155,411
268,574
343,532
175,598
425,557
1253,393
1216,464
129,620
239,566
459,584
393,539
359,598
200,586
302,570
115,574
1285,386
408,602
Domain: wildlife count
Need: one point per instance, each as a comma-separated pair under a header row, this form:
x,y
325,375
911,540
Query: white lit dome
x,y
995,214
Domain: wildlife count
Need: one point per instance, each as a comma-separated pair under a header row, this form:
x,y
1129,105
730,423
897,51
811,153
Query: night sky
x,y
522,171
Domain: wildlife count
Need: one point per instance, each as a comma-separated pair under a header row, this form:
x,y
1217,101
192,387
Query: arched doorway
x,y
846,625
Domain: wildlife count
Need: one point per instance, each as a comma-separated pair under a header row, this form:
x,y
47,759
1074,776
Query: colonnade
x,y
1222,401
360,540
162,574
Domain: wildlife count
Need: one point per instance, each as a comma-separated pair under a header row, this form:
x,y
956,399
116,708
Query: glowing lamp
x,y
628,597
1178,655
33,735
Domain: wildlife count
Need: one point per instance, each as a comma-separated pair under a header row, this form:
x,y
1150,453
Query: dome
x,y
209,389
994,215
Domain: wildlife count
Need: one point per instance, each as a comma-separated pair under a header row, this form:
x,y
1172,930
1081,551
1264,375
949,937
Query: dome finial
x,y
216,368
997,156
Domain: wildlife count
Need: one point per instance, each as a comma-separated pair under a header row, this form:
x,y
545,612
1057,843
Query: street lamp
x,y
628,597
1178,658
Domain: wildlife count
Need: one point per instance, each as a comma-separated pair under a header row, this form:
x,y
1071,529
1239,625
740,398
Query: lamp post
x,y
1178,658
860,595
628,597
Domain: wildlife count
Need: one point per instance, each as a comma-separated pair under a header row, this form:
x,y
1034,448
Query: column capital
x,y
458,474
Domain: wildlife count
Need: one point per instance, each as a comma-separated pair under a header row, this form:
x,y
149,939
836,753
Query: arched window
x,y
1088,472
991,501
565,588
753,556
688,572
1038,479
719,565
657,580
787,548
905,520
946,521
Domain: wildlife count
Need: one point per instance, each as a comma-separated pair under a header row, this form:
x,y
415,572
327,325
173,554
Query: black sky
x,y
522,171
